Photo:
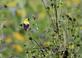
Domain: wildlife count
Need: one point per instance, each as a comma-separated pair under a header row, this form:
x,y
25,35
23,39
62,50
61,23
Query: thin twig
x,y
49,15
40,47
56,15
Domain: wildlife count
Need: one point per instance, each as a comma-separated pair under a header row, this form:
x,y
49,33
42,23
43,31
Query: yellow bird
x,y
25,24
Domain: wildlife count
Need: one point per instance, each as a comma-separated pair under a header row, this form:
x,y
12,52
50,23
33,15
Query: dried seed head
x,y
74,19
30,38
52,5
5,6
78,45
27,52
51,0
48,8
20,24
33,57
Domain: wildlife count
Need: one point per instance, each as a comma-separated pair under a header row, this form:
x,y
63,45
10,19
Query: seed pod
x,y
65,55
30,38
48,8
5,6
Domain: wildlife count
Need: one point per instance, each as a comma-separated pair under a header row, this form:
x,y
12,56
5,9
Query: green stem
x,y
56,15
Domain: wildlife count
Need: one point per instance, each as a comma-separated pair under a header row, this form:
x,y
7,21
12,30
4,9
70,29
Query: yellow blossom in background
x,y
21,12
18,48
8,40
12,4
34,4
68,2
42,15
76,2
18,36
80,27
71,2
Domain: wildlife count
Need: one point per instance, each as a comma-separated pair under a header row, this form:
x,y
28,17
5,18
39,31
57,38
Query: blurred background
x,y
55,29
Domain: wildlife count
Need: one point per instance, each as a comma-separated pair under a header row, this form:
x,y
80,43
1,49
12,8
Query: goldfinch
x,y
25,24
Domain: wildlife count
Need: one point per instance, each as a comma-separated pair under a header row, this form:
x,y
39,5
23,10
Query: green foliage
x,y
54,31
